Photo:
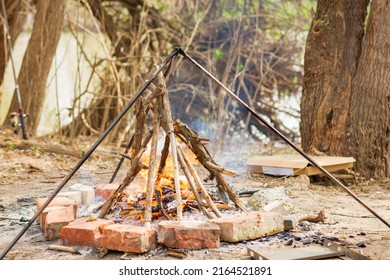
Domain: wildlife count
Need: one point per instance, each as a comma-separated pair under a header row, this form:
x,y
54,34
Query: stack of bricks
x,y
106,234
60,212
58,220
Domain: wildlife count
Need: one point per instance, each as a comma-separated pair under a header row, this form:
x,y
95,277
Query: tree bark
x,y
332,52
369,115
345,104
38,58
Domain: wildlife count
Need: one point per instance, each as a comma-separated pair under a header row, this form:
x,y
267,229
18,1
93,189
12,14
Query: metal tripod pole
x,y
88,154
17,90
284,138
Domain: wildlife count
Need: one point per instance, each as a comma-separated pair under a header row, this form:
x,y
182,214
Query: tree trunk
x,y
369,115
345,104
16,16
332,52
38,58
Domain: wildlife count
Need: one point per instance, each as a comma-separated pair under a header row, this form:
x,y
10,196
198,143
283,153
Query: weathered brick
x,y
83,231
188,234
247,226
42,217
56,202
127,238
105,191
56,219
72,195
87,193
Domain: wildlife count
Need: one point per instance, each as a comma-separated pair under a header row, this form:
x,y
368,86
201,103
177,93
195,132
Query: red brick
x,y
56,219
57,201
127,238
83,232
42,217
251,225
188,234
105,191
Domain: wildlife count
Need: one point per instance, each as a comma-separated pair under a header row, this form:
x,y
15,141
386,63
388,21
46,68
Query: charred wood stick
x,y
191,182
133,171
152,171
160,206
219,169
164,155
198,182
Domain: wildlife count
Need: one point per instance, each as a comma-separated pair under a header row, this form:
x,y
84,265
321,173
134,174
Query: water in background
x,y
73,73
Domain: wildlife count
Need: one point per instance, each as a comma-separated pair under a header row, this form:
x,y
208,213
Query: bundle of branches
x,y
156,105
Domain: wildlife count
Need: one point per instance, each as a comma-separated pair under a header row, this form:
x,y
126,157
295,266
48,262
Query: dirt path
x,y
29,174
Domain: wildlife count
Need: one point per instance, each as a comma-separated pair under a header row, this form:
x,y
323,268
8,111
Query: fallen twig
x,y
176,254
352,216
64,249
320,218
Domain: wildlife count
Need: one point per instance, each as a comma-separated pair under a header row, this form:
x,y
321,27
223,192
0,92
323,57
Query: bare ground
x,y
29,174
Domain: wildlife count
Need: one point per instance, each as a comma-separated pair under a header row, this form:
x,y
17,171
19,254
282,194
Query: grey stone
x,y
268,195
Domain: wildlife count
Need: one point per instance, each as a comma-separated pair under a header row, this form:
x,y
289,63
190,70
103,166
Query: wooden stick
x,y
164,155
63,249
219,169
152,171
320,218
167,124
199,184
131,174
176,253
191,182
140,117
161,207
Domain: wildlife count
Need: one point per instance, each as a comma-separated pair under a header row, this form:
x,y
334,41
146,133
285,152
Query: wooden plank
x,y
285,165
285,161
311,170
304,253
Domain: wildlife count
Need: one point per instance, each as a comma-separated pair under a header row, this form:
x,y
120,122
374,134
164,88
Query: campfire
x,y
167,193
